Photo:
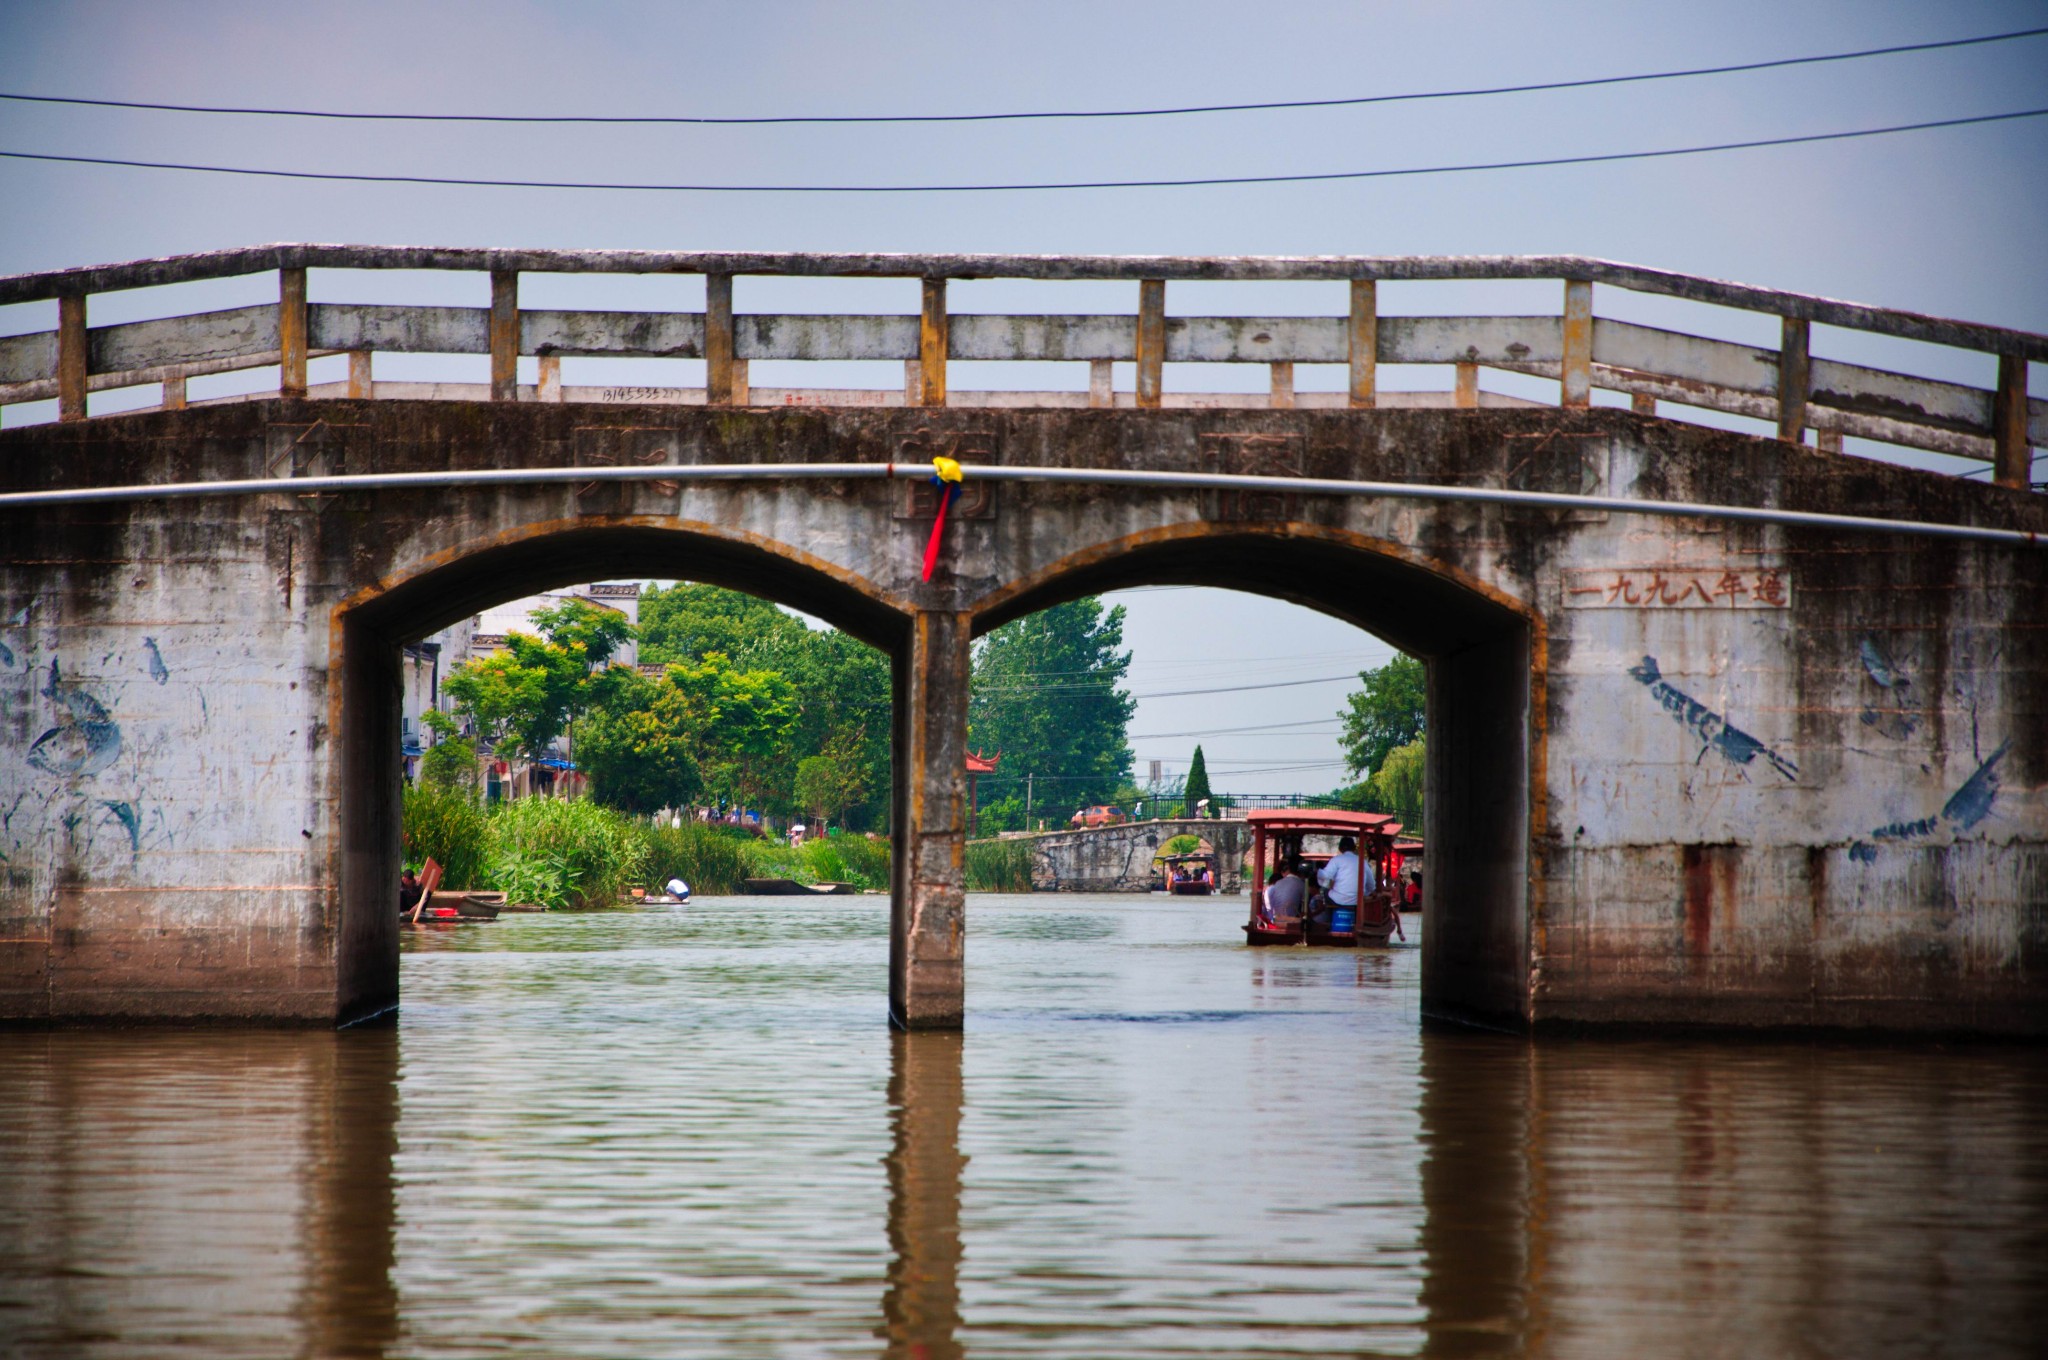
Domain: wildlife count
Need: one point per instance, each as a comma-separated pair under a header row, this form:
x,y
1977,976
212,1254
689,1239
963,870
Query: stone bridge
x,y
1724,728
1111,859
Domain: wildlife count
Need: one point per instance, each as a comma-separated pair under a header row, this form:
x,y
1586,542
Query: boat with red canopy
x,y
1305,839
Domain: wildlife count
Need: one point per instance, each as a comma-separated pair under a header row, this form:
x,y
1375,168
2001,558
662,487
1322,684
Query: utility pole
x,y
1027,799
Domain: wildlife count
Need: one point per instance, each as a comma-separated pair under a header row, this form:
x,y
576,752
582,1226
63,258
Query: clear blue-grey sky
x,y
1948,221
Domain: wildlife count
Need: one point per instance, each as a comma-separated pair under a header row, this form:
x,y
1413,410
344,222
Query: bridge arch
x,y
368,628
1484,652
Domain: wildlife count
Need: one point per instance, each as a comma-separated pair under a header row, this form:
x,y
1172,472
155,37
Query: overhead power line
x,y
618,120
1201,181
984,690
1269,728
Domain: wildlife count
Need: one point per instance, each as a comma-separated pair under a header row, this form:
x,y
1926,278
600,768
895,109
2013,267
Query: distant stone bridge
x,y
1116,859
1708,744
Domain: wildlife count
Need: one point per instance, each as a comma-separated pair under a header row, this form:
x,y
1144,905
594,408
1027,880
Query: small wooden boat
x,y
1190,875
1284,835
789,887
467,906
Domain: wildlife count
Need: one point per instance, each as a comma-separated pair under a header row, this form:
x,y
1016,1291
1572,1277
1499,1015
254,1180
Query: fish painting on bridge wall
x,y
1714,730
84,791
1966,807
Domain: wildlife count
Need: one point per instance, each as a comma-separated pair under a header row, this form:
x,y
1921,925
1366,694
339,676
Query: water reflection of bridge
x,y
1642,1193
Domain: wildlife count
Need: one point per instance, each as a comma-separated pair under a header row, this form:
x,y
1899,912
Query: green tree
x,y
638,745
1386,713
688,621
583,627
840,683
1004,814
450,763
526,694
835,778
1397,784
741,722
1047,696
1197,788
842,691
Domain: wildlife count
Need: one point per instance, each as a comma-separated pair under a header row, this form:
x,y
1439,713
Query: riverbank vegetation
x,y
999,865
564,854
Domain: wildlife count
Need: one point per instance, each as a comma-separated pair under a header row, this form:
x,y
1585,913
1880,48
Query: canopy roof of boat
x,y
1336,820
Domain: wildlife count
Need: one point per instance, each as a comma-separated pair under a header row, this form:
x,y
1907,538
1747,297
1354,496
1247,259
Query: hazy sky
x,y
1950,222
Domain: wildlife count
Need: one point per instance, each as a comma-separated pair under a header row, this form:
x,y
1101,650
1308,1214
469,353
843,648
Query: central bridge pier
x,y
1704,748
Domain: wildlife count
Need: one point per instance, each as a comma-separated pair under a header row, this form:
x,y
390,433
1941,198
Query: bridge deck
x,y
1662,372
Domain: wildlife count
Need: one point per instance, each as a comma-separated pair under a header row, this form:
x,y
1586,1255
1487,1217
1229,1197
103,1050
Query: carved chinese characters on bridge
x,y
920,499
1254,455
1663,588
629,446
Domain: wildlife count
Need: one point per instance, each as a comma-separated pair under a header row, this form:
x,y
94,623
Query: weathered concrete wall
x,y
1116,859
1681,770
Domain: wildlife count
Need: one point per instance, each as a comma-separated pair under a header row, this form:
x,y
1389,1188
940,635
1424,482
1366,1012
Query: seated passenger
x,y
1284,893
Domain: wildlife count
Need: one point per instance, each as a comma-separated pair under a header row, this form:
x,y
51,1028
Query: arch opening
x,y
366,700
1484,661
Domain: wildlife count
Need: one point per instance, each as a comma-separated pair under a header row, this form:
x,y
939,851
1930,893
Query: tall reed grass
x,y
563,854
448,826
579,854
999,866
709,860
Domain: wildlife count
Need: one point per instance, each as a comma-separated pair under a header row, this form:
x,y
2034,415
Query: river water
x,y
689,1132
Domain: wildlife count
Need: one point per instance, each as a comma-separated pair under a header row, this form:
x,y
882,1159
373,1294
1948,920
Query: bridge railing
x,y
1788,386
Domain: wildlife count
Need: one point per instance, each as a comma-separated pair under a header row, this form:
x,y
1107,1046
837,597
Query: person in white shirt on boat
x,y
1346,878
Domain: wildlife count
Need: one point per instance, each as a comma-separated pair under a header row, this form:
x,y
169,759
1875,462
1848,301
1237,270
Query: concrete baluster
x,y
1578,344
1101,382
932,343
1281,391
1364,343
71,357
2012,451
504,335
1151,341
718,339
1466,392
291,332
1795,377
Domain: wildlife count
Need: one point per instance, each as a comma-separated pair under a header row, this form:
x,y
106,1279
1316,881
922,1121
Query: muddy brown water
x,y
688,1132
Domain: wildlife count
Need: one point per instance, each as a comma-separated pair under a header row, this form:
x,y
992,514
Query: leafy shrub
x,y
570,854
999,866
861,860
445,824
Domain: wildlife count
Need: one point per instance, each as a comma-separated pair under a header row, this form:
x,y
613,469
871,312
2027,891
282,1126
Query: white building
x,y
491,626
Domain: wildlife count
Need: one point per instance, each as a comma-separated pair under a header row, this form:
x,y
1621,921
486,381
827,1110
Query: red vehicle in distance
x,y
1099,815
